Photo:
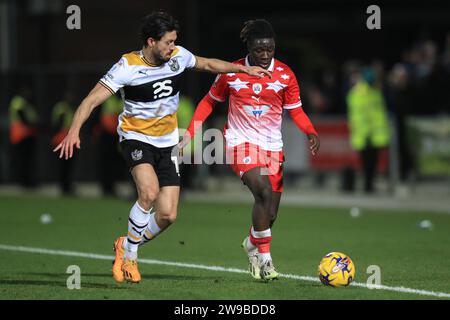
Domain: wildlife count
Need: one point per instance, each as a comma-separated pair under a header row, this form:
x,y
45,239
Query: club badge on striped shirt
x,y
173,64
136,155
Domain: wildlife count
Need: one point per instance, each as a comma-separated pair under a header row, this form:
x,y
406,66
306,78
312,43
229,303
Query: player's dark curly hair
x,y
256,29
156,24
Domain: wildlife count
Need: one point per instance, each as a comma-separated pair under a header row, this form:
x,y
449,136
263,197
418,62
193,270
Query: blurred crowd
x,y
377,99
422,73
26,127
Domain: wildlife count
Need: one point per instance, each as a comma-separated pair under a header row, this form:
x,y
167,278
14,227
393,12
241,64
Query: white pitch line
x,y
213,268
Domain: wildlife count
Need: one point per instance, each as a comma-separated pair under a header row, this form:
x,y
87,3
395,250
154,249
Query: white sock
x,y
263,256
137,223
251,248
261,234
152,229
151,232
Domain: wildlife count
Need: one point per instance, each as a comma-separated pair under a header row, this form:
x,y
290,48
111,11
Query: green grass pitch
x,y
210,234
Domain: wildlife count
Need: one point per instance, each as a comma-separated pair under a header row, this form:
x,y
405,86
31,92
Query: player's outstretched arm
x,y
220,66
97,96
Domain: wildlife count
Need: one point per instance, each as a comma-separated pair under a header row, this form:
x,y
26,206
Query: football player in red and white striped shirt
x,y
254,145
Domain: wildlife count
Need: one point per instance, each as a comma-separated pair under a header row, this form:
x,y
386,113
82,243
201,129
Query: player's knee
x,y
169,216
171,219
148,196
263,193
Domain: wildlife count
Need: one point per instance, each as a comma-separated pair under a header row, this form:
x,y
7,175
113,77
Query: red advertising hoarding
x,y
335,151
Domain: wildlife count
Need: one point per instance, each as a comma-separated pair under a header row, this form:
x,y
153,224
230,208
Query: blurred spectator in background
x,y
185,112
110,162
429,77
432,79
446,54
317,102
22,135
330,91
62,114
352,73
322,98
445,60
428,59
400,100
378,68
368,123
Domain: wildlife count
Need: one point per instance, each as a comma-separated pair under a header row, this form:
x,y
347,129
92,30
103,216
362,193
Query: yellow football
x,y
336,269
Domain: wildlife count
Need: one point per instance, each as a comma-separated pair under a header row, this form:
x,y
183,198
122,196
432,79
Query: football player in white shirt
x,y
148,80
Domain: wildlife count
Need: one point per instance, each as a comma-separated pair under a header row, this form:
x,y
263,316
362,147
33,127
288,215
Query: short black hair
x,y
256,29
156,24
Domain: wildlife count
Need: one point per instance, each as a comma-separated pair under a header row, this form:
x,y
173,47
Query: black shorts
x,y
136,152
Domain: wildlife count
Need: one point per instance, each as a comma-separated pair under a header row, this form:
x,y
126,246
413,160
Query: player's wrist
x,y
242,69
312,133
74,131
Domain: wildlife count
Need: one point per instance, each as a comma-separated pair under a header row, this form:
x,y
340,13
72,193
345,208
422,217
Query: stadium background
x,y
320,40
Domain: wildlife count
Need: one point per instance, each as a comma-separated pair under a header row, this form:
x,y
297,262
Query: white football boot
x,y
267,271
253,261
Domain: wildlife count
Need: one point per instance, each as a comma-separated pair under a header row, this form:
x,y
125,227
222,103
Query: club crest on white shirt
x,y
257,88
173,64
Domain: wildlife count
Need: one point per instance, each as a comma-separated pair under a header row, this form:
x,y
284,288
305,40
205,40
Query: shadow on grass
x,y
64,276
54,283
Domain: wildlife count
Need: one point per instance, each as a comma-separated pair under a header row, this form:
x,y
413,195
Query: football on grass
x,y
336,269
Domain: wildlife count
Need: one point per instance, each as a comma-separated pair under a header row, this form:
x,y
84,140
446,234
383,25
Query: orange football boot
x,y
118,261
130,271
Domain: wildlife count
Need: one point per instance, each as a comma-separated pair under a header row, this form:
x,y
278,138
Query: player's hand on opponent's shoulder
x,y
66,146
314,143
183,143
256,71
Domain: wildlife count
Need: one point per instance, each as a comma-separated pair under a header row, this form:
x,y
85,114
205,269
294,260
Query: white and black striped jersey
x,y
150,94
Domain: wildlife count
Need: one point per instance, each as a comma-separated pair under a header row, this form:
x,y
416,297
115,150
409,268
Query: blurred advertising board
x,y
335,151
430,142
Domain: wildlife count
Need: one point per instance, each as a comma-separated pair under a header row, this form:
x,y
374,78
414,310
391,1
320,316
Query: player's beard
x,y
160,59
